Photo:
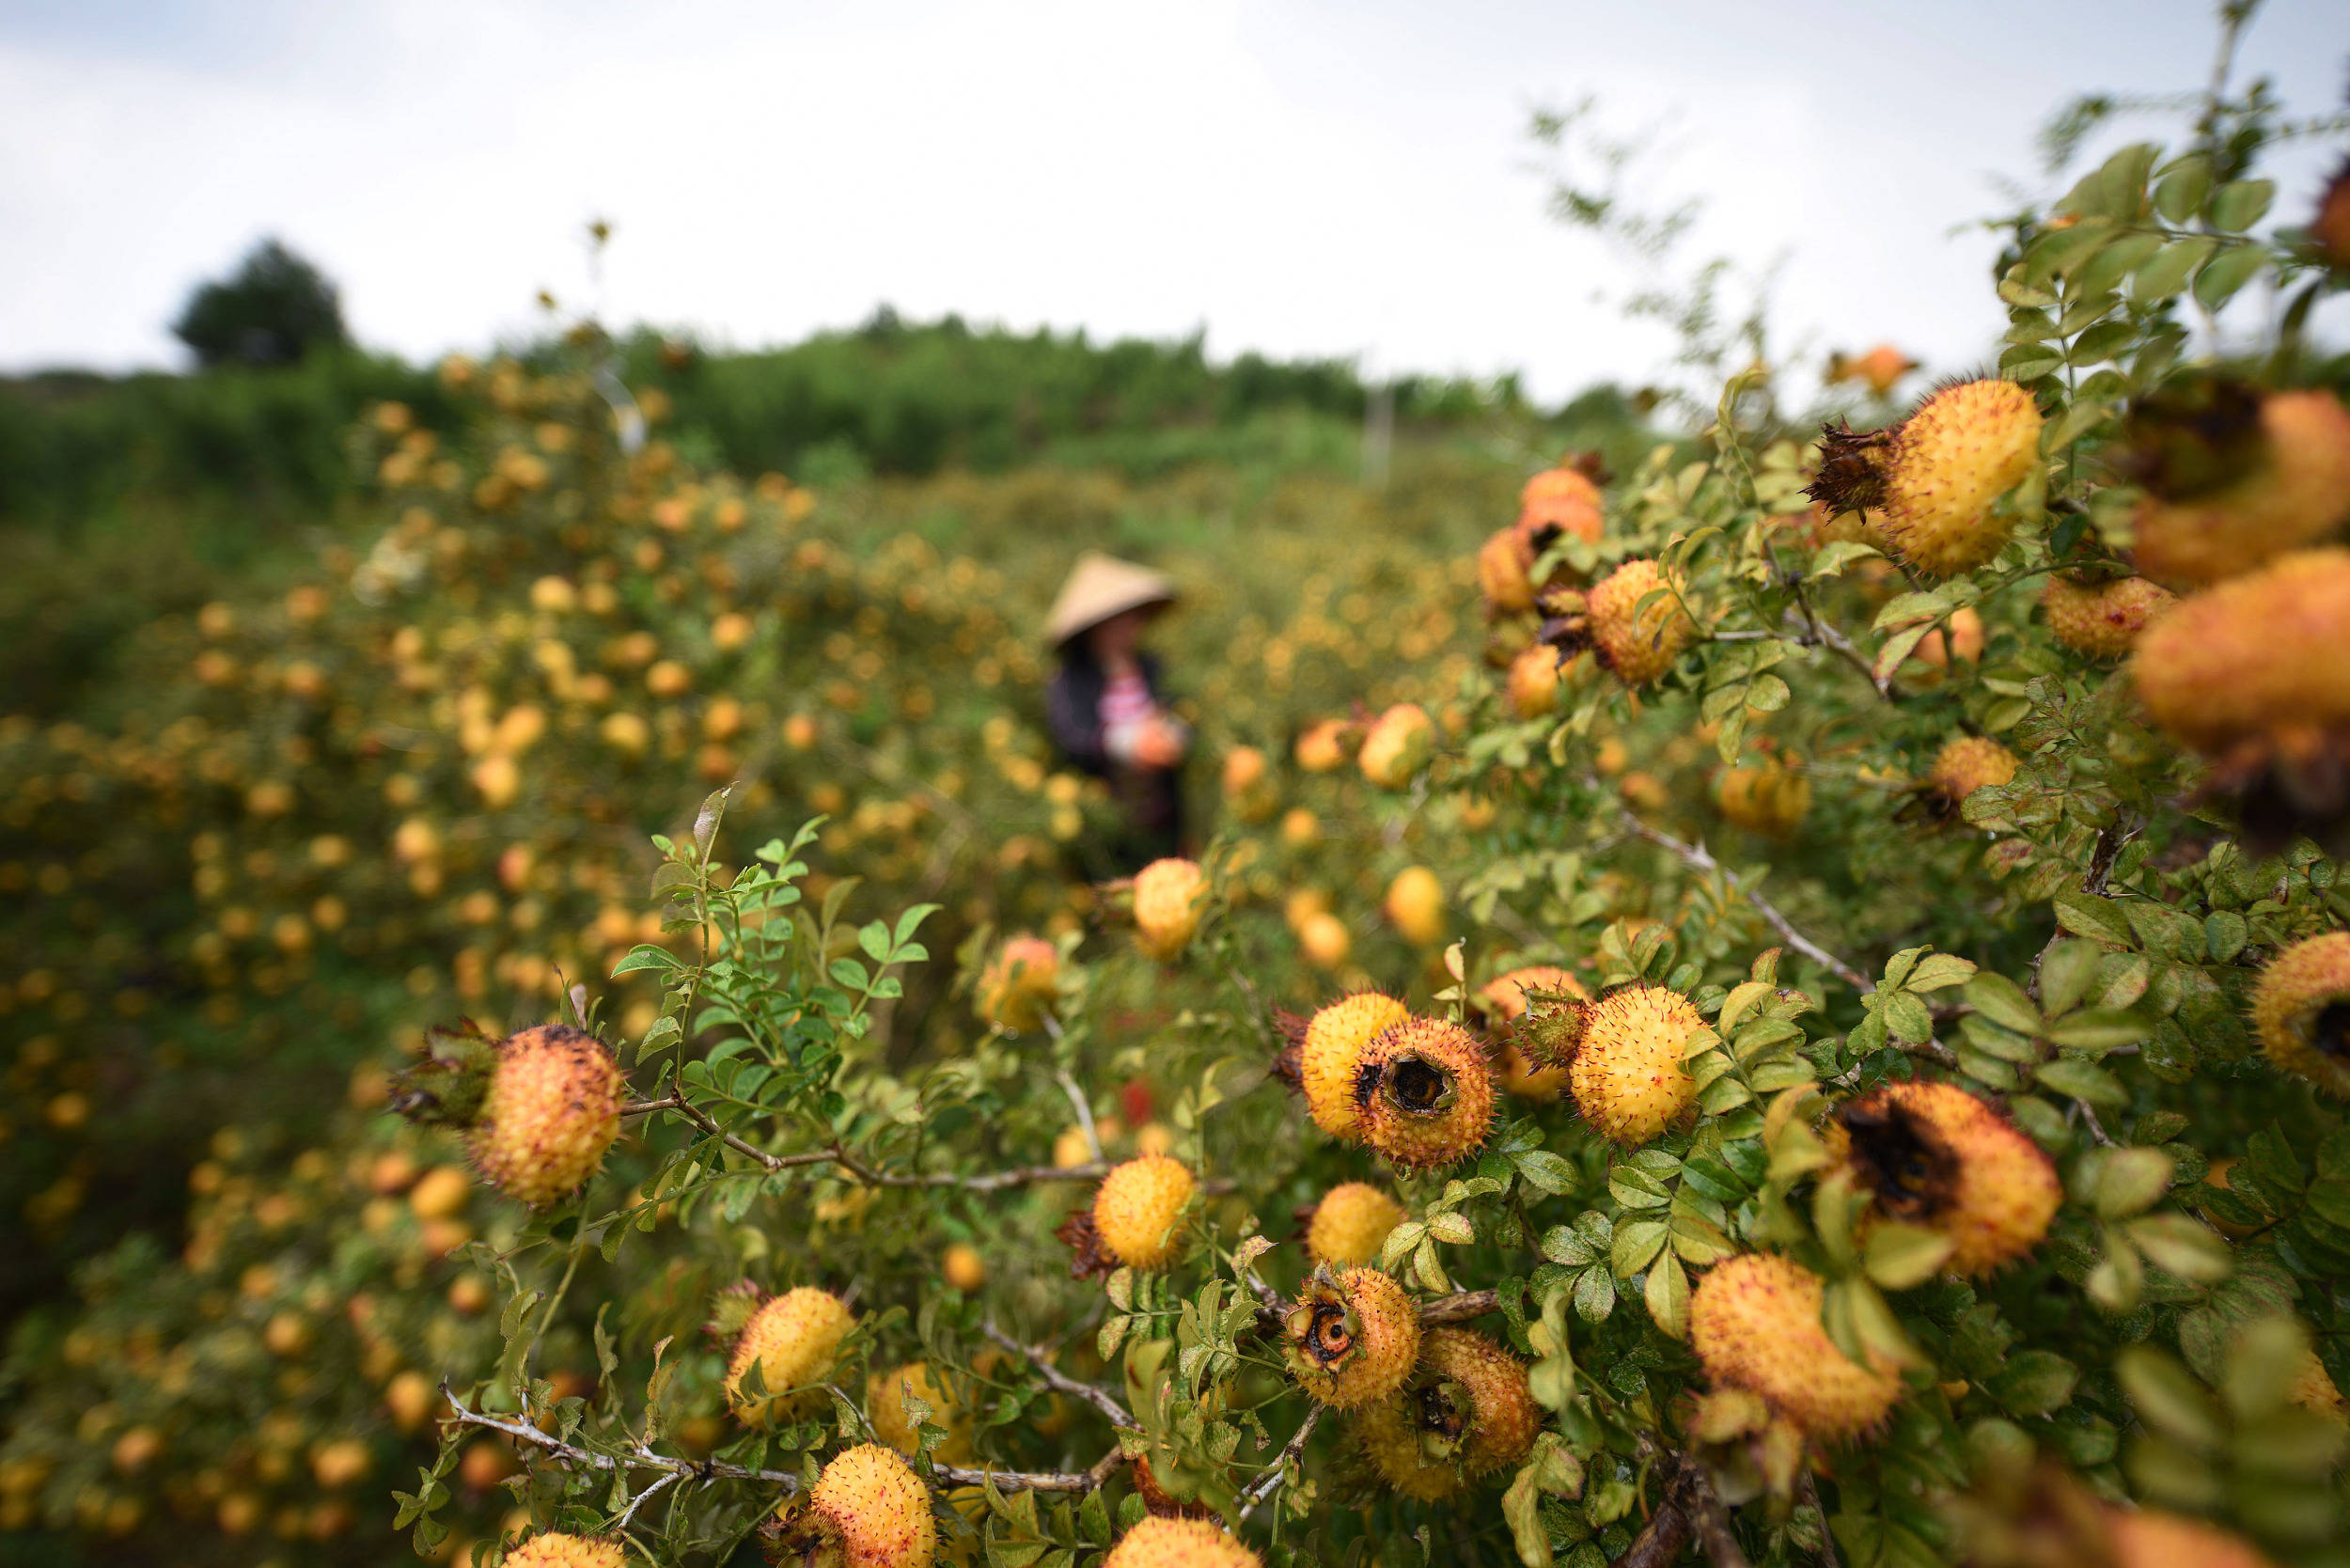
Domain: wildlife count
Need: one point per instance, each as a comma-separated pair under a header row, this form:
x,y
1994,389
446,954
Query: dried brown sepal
x,y
1852,469
2286,785
1088,1256
1910,1168
2196,437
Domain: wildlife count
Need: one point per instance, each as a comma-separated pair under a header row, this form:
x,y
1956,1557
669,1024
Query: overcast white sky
x,y
1300,178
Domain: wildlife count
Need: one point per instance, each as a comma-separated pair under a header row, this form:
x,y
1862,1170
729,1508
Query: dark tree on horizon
x,y
274,309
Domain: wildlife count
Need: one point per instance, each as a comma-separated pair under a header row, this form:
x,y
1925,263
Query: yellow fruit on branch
x,y
886,1395
1754,1321
1636,621
2301,1007
1177,1543
1020,984
793,1339
1352,1336
1534,683
1399,744
867,1509
1467,1412
1505,564
1330,1055
1141,1210
1933,482
1628,1074
1350,1224
1934,1155
1536,1016
2277,483
1965,764
2149,1538
1769,797
1324,745
1169,896
553,1108
1424,1094
1415,905
2102,617
554,1549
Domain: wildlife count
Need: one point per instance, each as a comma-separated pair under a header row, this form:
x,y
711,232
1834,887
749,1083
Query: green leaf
x,y
2225,935
2129,1180
1668,1297
1939,972
1636,1244
2228,272
646,957
2035,1382
1901,1256
2087,915
2083,1081
2066,974
1565,1245
1595,1294
2168,1398
2241,203
2180,195
2002,1000
2101,1029
2181,1244
1541,1169
2168,271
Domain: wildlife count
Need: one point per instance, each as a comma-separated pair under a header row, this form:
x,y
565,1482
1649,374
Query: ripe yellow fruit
x,y
1639,645
1330,1056
552,1111
1534,686
1321,747
2148,1538
1947,464
1933,1155
2301,1007
1164,1542
2296,494
553,1549
1415,905
1880,369
1628,1076
2102,619
1505,564
1474,1394
2253,655
885,1394
1769,798
1409,1449
792,1341
1020,984
867,1509
1352,1336
1243,770
1350,1224
1424,1094
1399,743
1168,896
962,1267
1139,1212
1965,764
1537,1042
1755,1323
1963,642
1322,937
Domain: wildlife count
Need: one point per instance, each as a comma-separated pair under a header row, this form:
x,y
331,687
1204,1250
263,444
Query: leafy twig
x,y
1698,858
1291,1452
1059,1381
643,1459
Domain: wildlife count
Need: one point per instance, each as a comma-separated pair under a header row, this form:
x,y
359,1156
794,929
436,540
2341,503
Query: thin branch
x,y
1037,1357
1085,1111
640,1500
1034,1480
1808,1491
1460,1306
1697,857
1291,1452
1711,1518
643,1459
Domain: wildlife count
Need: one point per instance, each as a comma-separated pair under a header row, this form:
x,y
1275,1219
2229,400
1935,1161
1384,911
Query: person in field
x,y
1107,709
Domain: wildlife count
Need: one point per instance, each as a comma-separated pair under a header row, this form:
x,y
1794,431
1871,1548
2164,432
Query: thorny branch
x,y
1460,1306
643,1459
1037,1357
1698,858
1288,1456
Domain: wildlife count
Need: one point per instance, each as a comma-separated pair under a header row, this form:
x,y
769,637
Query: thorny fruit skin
x,y
1537,1039
1331,1055
1168,898
2301,1007
792,1339
1556,501
1949,464
1352,1337
1628,1076
1138,1211
553,1108
895,1425
1019,984
1399,745
1158,1542
1350,1224
553,1550
2255,655
1424,1091
1755,1323
1391,1439
867,1510
1965,764
2296,494
1467,1380
2149,1538
2102,620
1639,645
1934,1155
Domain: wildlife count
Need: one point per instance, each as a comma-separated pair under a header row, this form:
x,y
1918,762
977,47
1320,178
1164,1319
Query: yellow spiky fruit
x,y
1169,898
1636,644
1424,1091
1628,1075
1164,1542
552,1111
1537,1038
2301,1007
1472,1392
1505,564
1352,1336
1947,467
1020,984
1350,1224
2296,495
2253,655
1755,1323
1768,798
1322,747
1322,937
1934,1155
554,1549
1415,905
1534,683
1965,764
867,1509
885,1395
793,1339
2149,1538
1560,500
1139,1212
2102,619
1330,1056
1410,1460
1399,744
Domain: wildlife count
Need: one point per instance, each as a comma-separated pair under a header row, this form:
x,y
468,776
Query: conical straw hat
x,y
1101,586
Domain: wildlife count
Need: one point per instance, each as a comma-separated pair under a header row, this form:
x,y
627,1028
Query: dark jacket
x,y
1151,798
